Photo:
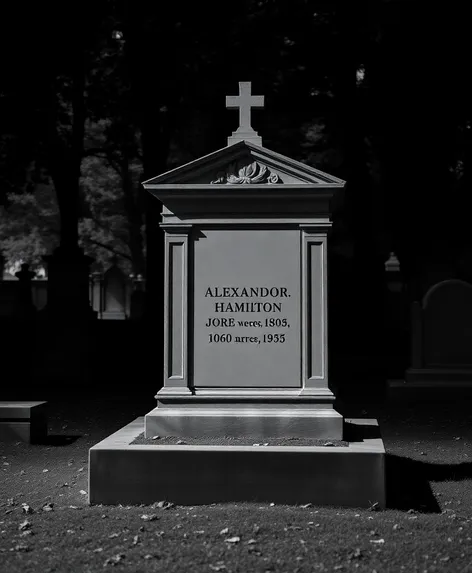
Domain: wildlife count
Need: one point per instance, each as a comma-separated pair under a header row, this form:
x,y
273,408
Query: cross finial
x,y
244,102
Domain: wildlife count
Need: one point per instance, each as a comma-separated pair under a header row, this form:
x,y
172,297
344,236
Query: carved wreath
x,y
240,174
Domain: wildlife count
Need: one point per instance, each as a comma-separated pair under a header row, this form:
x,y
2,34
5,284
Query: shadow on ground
x,y
408,482
59,440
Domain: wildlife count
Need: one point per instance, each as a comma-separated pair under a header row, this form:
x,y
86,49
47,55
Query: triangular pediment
x,y
244,163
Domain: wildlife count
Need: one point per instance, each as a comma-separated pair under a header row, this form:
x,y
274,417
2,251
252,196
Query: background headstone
x,y
114,294
447,325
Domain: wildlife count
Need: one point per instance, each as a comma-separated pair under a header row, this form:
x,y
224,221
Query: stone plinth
x,y
23,421
352,476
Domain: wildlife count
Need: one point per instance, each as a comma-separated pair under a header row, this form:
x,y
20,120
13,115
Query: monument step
x,y
352,476
240,422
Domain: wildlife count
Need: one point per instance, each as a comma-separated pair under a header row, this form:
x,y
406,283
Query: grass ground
x,y
427,526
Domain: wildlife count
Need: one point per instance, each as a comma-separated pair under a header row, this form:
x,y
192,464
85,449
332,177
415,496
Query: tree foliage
x,y
375,92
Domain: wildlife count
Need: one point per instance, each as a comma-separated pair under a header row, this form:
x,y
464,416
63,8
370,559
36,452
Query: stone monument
x,y
245,335
114,293
245,293
440,344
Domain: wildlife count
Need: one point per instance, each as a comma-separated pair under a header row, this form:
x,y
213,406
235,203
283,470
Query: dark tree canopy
x,y
376,92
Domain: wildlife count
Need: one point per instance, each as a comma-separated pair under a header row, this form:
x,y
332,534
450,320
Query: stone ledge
x,y
260,423
352,476
23,420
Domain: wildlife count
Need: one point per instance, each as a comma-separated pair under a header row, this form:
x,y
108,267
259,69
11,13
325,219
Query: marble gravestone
x,y
441,344
245,293
245,333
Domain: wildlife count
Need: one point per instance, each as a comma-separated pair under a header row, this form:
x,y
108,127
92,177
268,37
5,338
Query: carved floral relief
x,y
241,173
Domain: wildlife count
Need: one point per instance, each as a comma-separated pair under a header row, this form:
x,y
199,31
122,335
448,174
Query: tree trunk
x,y
134,218
66,157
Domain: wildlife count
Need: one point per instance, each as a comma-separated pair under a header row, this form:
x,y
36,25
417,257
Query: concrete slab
x,y
23,421
352,476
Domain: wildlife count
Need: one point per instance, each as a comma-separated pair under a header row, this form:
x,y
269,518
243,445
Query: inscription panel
x,y
247,308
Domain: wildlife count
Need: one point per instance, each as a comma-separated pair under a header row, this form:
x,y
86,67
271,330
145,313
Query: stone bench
x,y
23,421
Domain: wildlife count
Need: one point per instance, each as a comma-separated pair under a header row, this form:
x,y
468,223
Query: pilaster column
x,y
176,310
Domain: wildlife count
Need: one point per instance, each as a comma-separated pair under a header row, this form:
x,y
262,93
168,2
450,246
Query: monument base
x,y
113,315
240,412
260,423
352,476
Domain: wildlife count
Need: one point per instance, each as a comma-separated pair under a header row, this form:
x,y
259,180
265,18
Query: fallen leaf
x,y
328,444
45,471
219,566
26,508
150,517
251,541
48,507
381,541
235,539
135,539
306,505
115,559
113,535
80,470
83,492
24,525
21,547
224,531
156,438
374,506
98,550
256,444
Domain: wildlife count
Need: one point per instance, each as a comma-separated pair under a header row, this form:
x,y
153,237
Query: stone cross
x,y
244,102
